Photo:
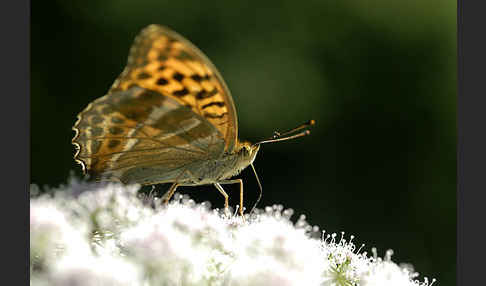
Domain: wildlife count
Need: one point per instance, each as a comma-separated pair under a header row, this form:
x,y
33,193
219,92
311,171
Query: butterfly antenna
x,y
261,189
287,135
305,125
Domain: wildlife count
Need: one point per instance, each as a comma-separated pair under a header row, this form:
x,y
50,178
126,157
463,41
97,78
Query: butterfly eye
x,y
246,149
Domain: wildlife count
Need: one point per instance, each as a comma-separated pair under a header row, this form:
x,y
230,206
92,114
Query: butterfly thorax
x,y
225,167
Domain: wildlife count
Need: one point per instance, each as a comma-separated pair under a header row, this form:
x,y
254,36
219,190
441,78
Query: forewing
x,y
141,136
162,60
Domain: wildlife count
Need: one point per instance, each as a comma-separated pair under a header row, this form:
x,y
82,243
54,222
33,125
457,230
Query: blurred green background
x,y
379,77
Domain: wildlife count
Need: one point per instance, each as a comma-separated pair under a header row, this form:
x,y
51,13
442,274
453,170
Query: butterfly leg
x,y
239,181
225,195
166,197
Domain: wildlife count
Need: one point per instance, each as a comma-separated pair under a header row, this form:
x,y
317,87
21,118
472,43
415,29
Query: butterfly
x,y
168,118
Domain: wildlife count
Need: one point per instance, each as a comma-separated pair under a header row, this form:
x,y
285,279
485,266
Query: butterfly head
x,y
248,151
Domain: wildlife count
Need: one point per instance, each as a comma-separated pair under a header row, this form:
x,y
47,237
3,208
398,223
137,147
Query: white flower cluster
x,y
93,234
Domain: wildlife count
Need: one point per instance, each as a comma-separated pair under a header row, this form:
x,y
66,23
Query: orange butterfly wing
x,y
163,61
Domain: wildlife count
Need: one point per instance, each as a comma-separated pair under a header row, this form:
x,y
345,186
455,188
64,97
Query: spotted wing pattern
x,y
141,136
163,61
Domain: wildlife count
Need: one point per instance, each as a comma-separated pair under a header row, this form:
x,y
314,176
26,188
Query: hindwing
x,y
141,136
